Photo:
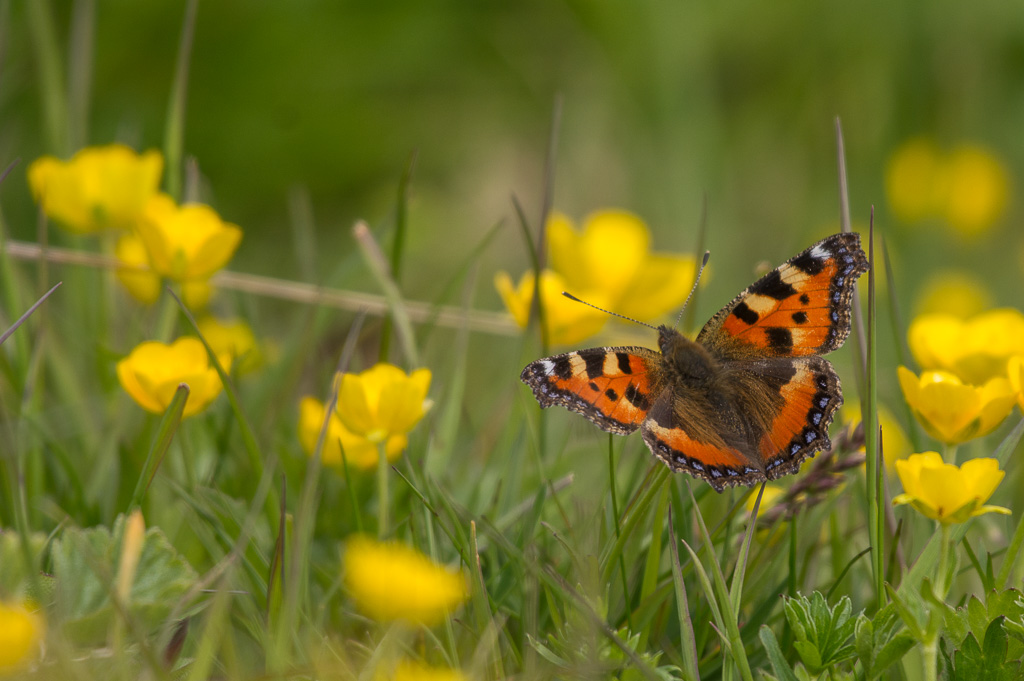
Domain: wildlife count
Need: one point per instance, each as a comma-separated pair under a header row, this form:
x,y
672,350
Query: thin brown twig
x,y
483,321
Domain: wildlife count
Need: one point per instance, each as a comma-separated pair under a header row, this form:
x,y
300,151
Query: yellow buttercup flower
x,y
978,189
383,401
188,242
968,187
21,631
144,285
1015,369
153,371
947,493
611,255
566,321
976,350
772,493
233,339
952,411
955,292
895,444
360,452
409,670
912,180
390,581
99,188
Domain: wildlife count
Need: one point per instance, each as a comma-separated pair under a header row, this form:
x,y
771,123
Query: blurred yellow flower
x,y
968,187
952,411
144,285
895,444
609,264
912,180
188,242
99,188
947,493
151,373
976,350
566,321
954,292
360,452
390,581
233,339
977,189
383,401
21,631
1015,369
772,493
409,670
611,255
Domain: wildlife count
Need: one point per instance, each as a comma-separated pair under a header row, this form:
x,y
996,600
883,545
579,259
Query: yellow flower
x,y
152,372
21,631
188,242
566,321
233,339
772,493
977,189
895,444
409,670
1015,368
954,292
383,401
144,285
611,255
912,180
391,581
975,350
952,411
947,493
360,452
99,188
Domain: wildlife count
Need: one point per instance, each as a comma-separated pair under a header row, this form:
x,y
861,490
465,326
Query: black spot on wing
x,y
595,364
800,317
771,285
804,298
624,366
637,398
745,314
563,367
611,395
780,338
805,262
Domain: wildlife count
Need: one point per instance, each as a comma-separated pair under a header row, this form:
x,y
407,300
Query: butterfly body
x,y
750,398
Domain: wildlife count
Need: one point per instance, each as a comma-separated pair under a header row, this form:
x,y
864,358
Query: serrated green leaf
x,y
775,656
85,564
891,653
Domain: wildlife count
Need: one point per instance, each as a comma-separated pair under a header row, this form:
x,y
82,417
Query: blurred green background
x,y
664,103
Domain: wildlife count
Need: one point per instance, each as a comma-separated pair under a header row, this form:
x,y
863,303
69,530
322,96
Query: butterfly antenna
x,y
703,264
614,314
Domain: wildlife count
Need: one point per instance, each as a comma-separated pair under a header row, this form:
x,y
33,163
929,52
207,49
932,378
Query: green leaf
x,y
822,634
85,565
778,661
987,661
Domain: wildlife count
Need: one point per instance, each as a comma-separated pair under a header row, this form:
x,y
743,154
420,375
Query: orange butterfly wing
x,y
613,387
798,309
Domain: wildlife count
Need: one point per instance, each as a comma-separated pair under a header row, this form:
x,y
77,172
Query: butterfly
x,y
750,398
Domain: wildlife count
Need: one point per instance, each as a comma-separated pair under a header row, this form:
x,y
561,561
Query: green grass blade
x,y
375,260
174,130
687,639
164,436
28,313
736,588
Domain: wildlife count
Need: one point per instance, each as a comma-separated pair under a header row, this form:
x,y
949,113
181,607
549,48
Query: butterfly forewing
x,y
613,387
800,308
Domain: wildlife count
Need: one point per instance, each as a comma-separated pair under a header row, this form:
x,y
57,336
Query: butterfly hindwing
x,y
800,308
613,387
